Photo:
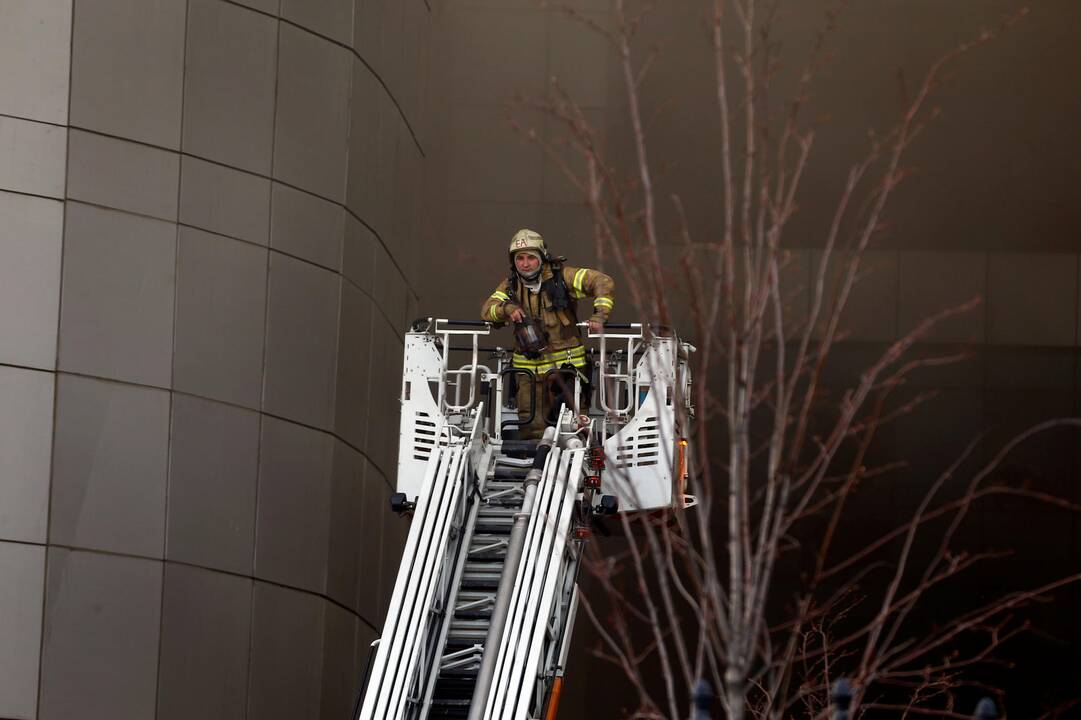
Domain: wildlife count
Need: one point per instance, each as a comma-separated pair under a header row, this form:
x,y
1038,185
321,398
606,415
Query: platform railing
x,y
468,372
615,381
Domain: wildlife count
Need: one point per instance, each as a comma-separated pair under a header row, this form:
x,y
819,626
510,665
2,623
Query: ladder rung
x,y
465,625
481,575
500,544
510,493
490,511
485,602
469,653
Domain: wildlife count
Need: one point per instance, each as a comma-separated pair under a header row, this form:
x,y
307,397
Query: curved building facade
x,y
208,230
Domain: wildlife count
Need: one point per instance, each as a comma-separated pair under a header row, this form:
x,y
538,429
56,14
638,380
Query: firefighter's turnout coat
x,y
564,338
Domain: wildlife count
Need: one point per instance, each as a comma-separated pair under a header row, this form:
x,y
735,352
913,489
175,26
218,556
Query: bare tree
x,y
773,452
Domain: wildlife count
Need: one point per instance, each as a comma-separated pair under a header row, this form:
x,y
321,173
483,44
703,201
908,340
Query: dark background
x,y
990,211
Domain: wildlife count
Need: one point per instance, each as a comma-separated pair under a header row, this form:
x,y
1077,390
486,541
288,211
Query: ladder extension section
x,y
536,589
409,681
415,590
486,539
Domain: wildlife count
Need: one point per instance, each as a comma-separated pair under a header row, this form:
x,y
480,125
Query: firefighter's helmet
x,y
526,239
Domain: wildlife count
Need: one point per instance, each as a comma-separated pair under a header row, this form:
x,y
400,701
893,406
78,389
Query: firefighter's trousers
x,y
545,391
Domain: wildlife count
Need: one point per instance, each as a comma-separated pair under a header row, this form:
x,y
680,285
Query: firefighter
x,y
541,298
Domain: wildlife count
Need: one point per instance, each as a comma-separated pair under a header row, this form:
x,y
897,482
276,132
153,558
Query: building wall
x,y
208,243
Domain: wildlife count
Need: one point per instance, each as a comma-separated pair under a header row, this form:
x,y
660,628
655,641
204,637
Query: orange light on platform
x,y
553,698
681,465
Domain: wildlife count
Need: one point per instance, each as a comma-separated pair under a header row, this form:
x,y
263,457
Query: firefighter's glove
x,y
513,312
596,323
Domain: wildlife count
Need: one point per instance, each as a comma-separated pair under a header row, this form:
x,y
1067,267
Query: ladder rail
x,y
409,559
437,659
494,695
454,480
534,585
536,634
497,695
450,608
409,602
560,648
442,600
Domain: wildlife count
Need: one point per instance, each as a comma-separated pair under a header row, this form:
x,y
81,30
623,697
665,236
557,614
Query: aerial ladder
x,y
480,619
